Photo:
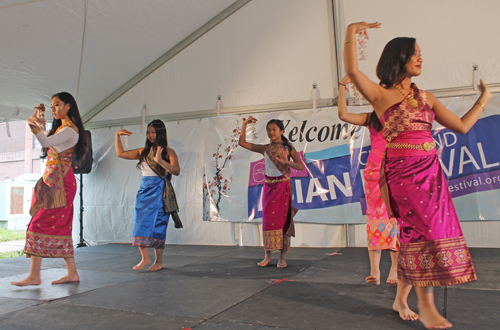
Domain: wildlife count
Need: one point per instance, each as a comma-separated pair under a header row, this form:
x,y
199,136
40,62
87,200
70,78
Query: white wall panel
x,y
452,34
269,51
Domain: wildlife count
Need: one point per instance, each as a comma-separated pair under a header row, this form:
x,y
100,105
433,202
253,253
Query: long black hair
x,y
160,141
373,121
391,67
280,125
73,115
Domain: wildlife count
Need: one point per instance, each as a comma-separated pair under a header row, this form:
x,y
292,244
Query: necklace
x,y
62,126
409,97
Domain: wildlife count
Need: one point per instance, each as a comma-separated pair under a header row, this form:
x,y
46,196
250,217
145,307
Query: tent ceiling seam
x,y
275,107
19,3
285,106
86,4
165,58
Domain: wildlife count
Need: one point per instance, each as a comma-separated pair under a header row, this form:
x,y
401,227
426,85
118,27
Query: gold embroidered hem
x,y
435,263
276,180
275,240
48,246
148,242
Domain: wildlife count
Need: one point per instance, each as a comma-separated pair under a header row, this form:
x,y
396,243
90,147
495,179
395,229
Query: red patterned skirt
x,y
276,212
381,231
49,232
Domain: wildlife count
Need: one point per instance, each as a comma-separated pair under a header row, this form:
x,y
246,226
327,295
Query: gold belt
x,y
58,162
426,146
276,180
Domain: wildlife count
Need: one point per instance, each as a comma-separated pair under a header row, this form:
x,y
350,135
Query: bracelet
x,y
350,41
341,84
481,104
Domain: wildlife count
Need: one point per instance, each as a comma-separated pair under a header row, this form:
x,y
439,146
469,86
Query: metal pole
x,y
82,241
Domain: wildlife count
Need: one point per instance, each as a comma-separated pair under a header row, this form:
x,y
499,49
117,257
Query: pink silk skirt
x,y
276,212
433,249
49,232
382,231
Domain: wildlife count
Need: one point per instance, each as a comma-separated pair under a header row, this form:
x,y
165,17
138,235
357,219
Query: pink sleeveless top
x,y
405,124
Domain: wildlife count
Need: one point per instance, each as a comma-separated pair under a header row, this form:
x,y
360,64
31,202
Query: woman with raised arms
x,y
433,249
277,209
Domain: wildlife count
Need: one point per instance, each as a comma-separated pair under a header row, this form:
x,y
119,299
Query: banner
x,y
330,188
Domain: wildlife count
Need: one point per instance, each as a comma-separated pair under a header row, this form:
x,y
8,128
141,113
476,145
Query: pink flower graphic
x,y
217,187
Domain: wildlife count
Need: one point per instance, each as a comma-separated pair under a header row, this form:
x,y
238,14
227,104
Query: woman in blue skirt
x,y
156,198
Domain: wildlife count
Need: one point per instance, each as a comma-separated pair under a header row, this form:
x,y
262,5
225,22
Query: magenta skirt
x,y
433,249
276,213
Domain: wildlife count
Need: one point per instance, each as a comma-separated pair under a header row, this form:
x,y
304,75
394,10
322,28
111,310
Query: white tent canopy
x,y
257,54
178,56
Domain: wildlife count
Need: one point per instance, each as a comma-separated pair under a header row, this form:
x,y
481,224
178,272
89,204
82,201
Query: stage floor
x,y
221,287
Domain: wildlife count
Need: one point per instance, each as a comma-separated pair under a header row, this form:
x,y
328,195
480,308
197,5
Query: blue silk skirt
x,y
150,219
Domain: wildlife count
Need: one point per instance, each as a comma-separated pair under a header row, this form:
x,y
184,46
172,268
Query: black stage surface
x,y
221,287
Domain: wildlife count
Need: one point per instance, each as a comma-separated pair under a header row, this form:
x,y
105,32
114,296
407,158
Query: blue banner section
x,y
330,182
334,174
471,153
333,152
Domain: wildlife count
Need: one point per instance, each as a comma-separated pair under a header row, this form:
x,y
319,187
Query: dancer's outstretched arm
x,y
450,120
260,148
120,152
371,91
351,118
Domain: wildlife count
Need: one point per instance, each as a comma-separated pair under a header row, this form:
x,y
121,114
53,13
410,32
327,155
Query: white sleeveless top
x,y
146,170
271,169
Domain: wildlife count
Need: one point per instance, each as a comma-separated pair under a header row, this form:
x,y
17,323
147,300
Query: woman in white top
x,y
49,232
277,209
155,199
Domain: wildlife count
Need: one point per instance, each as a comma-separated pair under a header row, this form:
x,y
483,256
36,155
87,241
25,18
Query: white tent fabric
x,y
53,45
274,61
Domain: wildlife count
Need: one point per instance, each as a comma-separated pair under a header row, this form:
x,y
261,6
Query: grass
x,y
11,254
9,235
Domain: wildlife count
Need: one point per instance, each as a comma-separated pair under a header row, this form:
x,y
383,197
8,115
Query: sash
x,y
49,190
272,150
169,199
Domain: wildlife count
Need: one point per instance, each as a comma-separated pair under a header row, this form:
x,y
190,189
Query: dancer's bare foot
x,y
28,281
393,276
264,262
155,267
282,264
67,279
142,264
405,312
431,318
373,279
282,259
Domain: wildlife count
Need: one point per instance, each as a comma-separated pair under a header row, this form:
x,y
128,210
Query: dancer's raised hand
x,y
157,156
124,132
361,27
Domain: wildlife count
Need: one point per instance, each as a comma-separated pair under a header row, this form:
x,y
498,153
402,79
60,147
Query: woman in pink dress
x,y
382,230
277,209
433,250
